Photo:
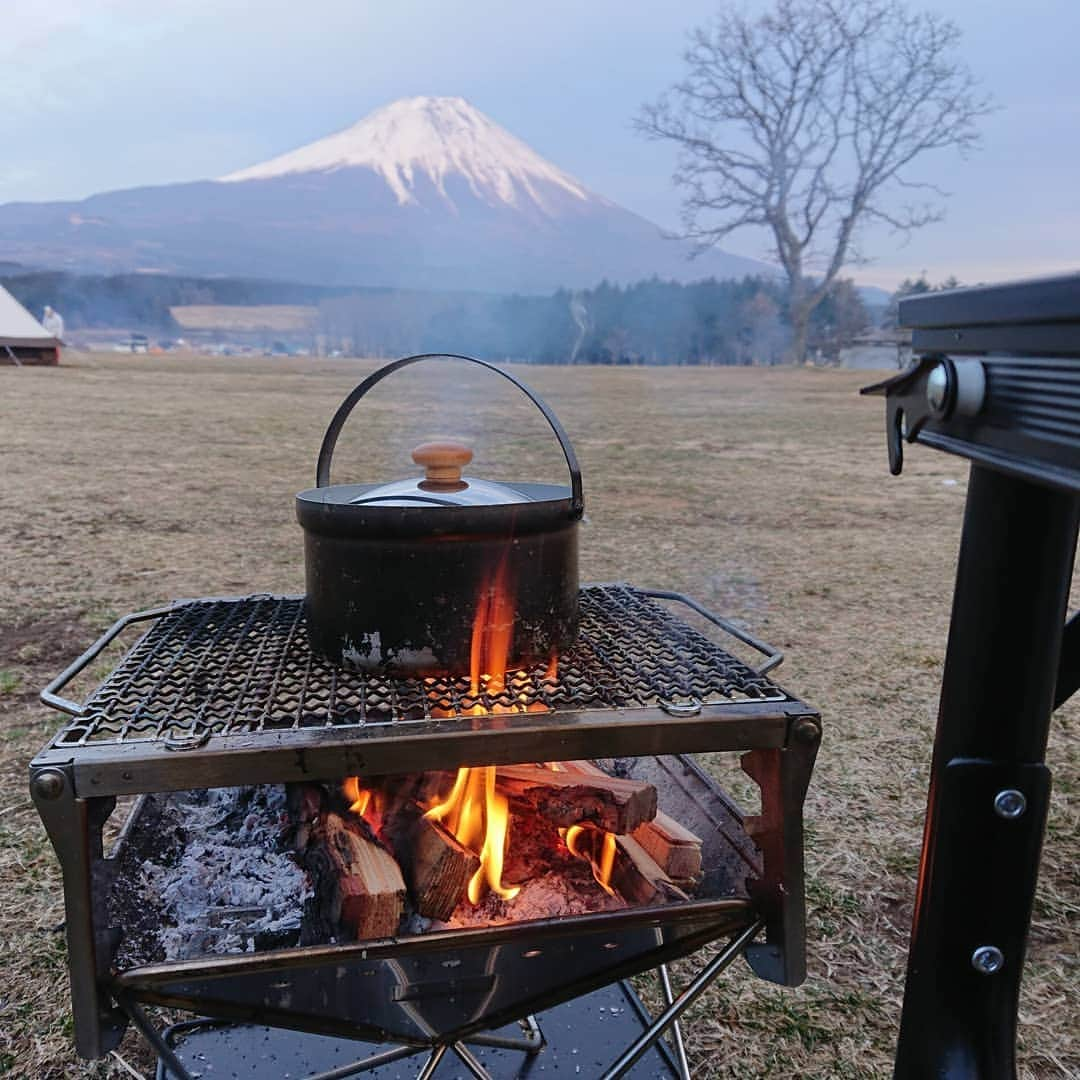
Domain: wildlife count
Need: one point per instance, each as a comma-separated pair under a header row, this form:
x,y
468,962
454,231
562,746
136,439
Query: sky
x,y
103,94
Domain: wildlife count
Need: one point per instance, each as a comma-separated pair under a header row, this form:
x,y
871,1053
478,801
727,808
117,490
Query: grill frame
x,y
614,716
75,787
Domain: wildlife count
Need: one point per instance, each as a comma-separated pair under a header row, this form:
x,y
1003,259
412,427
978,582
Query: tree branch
x,y
806,120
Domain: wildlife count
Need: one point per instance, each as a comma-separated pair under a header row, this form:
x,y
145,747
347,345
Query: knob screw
x,y
939,391
1009,804
987,959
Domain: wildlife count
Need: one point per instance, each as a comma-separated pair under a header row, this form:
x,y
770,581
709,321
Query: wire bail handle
x,y
326,451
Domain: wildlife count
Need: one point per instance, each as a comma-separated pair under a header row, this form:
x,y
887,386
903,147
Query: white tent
x,y
22,338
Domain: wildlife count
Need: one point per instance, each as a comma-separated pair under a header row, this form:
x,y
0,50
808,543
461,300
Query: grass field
x,y
128,481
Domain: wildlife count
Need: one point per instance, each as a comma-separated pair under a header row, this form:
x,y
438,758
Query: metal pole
x,y
474,1066
708,974
432,1063
676,1029
989,787
531,1040
153,1037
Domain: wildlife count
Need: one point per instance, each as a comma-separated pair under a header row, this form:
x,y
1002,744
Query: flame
x,y
584,843
493,632
473,811
492,640
478,817
358,797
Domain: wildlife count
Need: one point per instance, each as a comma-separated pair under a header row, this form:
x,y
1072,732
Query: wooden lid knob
x,y
443,461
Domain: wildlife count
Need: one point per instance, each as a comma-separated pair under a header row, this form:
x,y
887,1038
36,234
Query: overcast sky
x,y
103,94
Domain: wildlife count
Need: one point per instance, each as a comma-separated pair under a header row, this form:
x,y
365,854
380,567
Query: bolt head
x,y
49,785
987,959
807,731
1010,804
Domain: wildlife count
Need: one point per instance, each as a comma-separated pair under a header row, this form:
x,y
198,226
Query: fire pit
x,y
225,692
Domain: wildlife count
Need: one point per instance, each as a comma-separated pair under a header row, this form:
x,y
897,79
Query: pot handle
x,y
326,452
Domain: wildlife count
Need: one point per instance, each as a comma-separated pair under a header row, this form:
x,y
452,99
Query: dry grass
x,y
128,481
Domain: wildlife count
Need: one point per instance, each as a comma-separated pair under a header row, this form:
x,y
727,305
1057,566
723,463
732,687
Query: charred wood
x,y
565,798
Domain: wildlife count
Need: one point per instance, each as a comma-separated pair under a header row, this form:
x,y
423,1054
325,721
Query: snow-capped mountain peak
x,y
438,137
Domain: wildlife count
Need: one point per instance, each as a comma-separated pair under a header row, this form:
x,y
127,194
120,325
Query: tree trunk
x,y
800,331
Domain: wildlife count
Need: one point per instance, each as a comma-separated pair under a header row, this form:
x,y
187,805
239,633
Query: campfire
x,y
491,844
242,869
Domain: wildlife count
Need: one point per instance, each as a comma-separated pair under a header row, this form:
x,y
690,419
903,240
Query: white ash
x,y
232,882
415,923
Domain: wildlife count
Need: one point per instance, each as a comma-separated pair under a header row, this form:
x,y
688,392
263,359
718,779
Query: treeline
x,y
142,301
653,322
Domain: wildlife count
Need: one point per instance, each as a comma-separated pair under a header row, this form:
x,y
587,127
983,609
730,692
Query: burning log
x,y
674,848
574,798
360,884
437,867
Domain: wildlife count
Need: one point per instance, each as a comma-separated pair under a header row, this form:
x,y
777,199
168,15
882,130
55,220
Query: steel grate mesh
x,y
227,667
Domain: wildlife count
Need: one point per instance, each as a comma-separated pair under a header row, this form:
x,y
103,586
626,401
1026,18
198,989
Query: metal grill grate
x,y
227,667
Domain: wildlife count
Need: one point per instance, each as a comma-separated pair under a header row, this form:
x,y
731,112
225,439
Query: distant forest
x,y
654,322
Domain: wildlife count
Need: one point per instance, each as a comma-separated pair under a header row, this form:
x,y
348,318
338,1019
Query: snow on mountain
x,y
434,136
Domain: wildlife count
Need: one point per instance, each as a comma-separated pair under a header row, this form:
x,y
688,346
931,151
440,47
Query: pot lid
x,y
443,483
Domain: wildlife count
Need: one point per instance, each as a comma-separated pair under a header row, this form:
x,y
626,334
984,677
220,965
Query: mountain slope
x,y
423,193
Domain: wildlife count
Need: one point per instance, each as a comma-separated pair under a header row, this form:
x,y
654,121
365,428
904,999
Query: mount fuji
x,y
426,192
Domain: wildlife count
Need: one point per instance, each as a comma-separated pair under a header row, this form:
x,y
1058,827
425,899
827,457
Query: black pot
x,y
441,574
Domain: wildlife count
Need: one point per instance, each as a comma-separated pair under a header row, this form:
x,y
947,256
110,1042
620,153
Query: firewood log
x,y
437,867
564,798
674,848
638,879
360,884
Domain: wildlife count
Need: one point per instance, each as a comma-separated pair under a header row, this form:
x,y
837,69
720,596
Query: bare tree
x,y
805,120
